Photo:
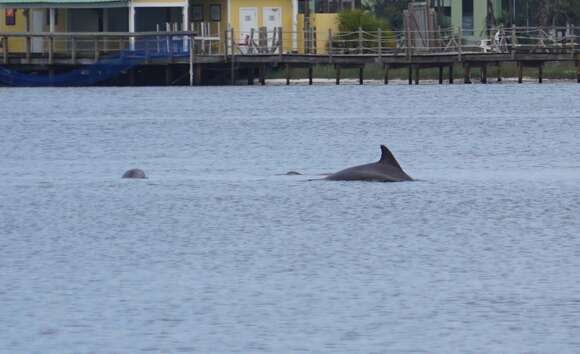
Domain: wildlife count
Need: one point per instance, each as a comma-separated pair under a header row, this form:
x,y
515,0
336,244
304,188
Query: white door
x,y
248,21
37,26
272,21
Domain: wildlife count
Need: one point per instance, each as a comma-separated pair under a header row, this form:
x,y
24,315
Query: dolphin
x,y
387,169
134,173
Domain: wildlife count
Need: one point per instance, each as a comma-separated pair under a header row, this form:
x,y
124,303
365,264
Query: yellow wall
x,y
322,23
18,45
14,44
286,6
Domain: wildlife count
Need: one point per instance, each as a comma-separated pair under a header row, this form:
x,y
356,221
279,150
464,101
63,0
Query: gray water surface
x,y
219,252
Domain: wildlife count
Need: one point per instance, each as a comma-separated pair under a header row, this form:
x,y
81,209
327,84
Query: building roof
x,y
62,3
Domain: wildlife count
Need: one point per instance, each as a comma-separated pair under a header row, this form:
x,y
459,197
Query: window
x,y
10,17
467,17
215,12
197,13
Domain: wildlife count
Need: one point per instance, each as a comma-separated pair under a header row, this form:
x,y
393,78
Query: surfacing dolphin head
x,y
134,173
387,169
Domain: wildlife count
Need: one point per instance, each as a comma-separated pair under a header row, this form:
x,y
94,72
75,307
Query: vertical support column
x,y
520,72
410,74
185,24
251,73
361,72
499,72
198,74
287,74
233,58
417,74
483,73
310,73
578,71
337,68
294,25
73,50
262,74
28,49
440,75
450,73
96,47
168,75
131,25
386,74
50,49
5,45
191,45
51,20
540,73
132,76
466,73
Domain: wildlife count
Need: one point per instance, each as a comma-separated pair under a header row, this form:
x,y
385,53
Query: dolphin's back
x,y
387,169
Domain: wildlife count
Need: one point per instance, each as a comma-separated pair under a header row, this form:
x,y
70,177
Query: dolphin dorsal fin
x,y
387,157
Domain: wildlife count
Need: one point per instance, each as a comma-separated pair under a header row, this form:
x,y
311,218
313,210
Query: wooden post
x,y
417,71
460,44
540,72
440,75
28,49
380,42
578,71
132,76
310,72
262,74
483,77
499,72
168,76
96,45
361,71
191,49
466,73
330,50
287,74
281,41
450,73
5,45
386,74
232,60
73,50
198,74
251,73
360,40
50,49
520,72
337,68
226,45
410,67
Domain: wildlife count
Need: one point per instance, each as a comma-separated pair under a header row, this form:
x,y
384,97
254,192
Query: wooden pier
x,y
187,58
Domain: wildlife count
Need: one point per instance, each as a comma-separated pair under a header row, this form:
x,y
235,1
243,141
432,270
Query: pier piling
x,y
287,74
386,74
417,74
361,71
450,74
440,75
466,73
337,68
